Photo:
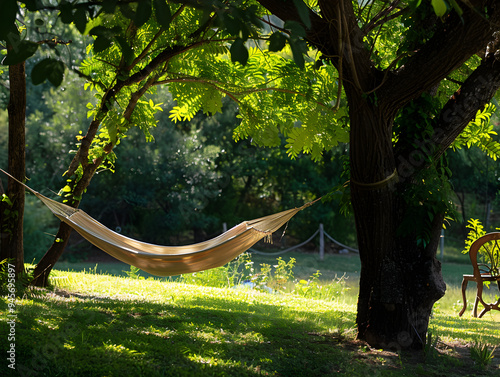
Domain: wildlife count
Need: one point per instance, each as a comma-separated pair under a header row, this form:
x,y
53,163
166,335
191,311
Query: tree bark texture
x,y
12,216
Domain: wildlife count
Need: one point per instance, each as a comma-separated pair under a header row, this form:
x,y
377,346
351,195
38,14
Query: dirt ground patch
x,y
444,359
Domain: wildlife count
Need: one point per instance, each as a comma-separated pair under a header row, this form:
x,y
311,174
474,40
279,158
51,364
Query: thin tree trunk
x,y
43,268
13,215
45,265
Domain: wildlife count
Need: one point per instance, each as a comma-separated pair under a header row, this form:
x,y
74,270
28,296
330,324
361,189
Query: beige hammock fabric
x,y
169,260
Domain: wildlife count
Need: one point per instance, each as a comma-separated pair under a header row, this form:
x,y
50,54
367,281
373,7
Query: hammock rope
x,y
169,260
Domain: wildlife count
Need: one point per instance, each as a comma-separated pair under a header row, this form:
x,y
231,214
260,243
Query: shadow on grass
x,y
76,335
64,333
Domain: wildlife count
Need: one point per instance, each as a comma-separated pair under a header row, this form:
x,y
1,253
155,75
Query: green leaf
x,y
113,132
7,200
303,11
296,29
104,31
48,69
80,19
143,12
20,52
127,11
162,13
277,41
8,19
128,53
39,73
66,189
440,7
239,52
101,43
298,48
232,25
66,13
457,8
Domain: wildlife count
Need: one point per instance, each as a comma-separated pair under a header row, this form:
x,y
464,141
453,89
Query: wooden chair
x,y
490,244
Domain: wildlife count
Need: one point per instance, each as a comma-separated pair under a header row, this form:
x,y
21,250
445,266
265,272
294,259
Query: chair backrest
x,y
489,246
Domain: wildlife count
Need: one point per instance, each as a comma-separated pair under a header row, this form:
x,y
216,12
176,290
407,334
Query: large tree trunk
x,y
13,215
400,280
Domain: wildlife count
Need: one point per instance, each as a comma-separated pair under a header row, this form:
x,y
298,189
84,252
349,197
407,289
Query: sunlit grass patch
x,y
163,327
467,330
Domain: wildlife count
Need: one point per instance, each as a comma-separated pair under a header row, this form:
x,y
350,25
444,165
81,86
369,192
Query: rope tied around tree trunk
x,y
377,185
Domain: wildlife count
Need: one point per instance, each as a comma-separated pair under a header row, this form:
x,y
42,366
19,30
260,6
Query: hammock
x,y
169,260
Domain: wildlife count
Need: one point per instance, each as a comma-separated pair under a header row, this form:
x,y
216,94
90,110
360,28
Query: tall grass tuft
x,y
481,354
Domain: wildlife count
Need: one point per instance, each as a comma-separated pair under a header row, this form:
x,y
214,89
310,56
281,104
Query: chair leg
x,y
464,288
496,304
474,312
486,309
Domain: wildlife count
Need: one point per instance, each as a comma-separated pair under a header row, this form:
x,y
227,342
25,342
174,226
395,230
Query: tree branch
x,y
383,16
476,92
335,22
448,49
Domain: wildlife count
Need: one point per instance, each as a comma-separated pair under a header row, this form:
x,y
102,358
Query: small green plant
x,y
9,216
481,354
4,276
261,279
9,284
230,275
312,288
239,270
476,231
430,350
268,281
283,273
133,273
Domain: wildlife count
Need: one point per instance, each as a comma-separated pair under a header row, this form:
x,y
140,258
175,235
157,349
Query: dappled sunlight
x,y
468,330
141,324
157,327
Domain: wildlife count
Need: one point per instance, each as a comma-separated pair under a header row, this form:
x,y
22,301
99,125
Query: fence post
x,y
321,242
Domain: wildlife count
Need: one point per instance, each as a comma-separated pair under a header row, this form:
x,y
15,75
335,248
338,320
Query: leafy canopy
x,y
205,51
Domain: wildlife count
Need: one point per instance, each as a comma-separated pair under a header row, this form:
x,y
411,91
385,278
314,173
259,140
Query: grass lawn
x,y
91,324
